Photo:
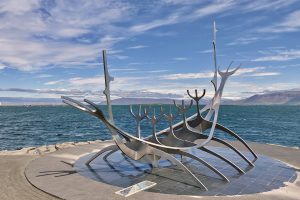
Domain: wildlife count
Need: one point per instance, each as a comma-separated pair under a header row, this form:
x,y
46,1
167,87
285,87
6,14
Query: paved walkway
x,y
70,185
54,173
13,184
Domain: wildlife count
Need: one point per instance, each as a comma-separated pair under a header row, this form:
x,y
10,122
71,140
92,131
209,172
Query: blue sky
x,y
155,48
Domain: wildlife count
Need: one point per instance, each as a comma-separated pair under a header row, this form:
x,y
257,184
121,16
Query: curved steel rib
x,y
201,124
172,140
176,162
188,133
224,159
230,132
134,148
204,163
229,146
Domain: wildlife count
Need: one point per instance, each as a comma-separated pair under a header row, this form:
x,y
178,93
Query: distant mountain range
x,y
284,97
29,101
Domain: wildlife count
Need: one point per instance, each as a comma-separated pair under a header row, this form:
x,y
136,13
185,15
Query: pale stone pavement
x,y
14,186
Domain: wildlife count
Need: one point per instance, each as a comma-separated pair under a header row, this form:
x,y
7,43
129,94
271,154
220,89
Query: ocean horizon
x,y
23,126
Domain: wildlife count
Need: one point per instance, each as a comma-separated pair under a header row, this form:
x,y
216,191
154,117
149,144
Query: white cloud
x,y
206,51
17,7
37,34
289,24
270,5
254,71
172,19
265,74
181,58
137,47
213,8
158,71
86,81
188,76
2,66
54,82
97,82
44,76
243,41
180,2
280,55
182,15
121,69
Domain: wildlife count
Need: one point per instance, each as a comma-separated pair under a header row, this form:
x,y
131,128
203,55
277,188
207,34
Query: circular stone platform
x,y
118,170
64,174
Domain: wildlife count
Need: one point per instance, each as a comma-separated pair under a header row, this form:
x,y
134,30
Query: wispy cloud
x,y
48,91
255,71
243,41
2,66
188,76
137,47
42,35
172,19
36,34
279,55
206,51
289,24
265,74
158,71
213,8
121,69
182,15
54,82
181,58
57,93
44,76
270,5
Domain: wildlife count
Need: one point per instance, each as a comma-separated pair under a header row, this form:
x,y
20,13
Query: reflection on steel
x,y
106,91
215,78
177,139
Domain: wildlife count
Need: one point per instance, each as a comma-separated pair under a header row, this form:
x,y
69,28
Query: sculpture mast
x,y
214,80
106,91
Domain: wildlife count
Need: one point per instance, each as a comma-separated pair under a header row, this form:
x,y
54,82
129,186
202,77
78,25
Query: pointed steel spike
x,y
140,107
190,105
174,102
131,111
106,91
229,66
188,92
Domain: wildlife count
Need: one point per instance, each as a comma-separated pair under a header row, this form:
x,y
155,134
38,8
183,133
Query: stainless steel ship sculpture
x,y
177,139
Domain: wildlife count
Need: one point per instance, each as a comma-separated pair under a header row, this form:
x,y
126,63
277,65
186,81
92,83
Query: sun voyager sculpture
x,y
177,139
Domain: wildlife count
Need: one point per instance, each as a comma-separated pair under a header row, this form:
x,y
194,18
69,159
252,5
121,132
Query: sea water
x,y
42,125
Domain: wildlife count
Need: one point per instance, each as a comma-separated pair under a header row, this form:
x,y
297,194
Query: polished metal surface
x,y
106,91
138,118
269,174
178,139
